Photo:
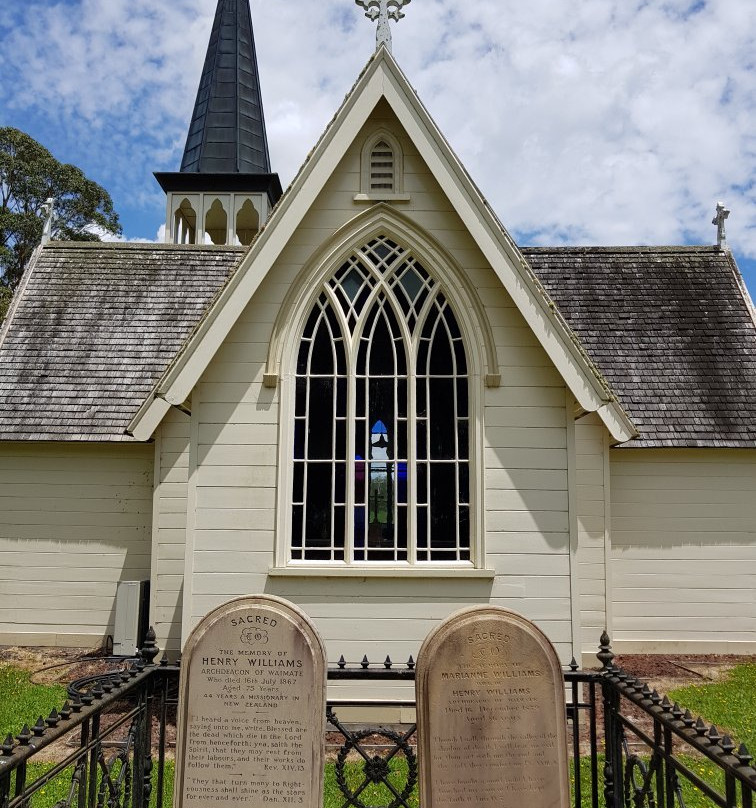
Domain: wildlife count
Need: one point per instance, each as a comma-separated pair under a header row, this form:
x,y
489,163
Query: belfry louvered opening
x,y
382,168
381,443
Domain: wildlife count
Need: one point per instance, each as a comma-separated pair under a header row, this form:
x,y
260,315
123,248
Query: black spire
x,y
227,131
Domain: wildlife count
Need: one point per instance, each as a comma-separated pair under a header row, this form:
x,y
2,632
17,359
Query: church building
x,y
362,395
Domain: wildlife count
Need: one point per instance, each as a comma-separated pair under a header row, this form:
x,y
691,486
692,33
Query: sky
x,y
600,122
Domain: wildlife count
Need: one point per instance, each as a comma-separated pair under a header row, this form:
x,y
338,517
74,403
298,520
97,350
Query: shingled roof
x,y
97,325
670,329
93,330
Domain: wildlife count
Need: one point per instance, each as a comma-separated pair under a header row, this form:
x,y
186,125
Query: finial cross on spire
x,y
383,11
719,220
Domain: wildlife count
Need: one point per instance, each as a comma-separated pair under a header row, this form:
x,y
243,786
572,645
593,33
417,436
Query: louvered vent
x,y
382,168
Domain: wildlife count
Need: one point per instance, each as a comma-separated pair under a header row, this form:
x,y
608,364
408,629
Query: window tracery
x,y
381,437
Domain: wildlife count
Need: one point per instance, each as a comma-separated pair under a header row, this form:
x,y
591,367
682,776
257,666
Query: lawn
x,y
22,702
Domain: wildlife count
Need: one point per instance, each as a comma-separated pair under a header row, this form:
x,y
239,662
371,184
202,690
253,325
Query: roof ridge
x,y
142,245
703,248
19,293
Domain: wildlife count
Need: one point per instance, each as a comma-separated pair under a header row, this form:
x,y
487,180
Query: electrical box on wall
x,y
131,617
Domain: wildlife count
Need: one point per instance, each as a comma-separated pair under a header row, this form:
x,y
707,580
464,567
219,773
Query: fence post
x,y
612,740
143,739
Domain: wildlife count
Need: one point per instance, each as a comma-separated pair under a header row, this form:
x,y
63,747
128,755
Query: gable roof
x,y
93,328
672,331
382,79
97,325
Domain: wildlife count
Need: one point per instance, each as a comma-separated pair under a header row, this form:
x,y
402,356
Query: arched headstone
x,y
252,708
491,714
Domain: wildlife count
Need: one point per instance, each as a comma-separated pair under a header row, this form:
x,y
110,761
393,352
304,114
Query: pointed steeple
x,y
227,131
225,188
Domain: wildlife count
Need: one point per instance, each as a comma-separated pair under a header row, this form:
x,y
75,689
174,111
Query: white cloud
x,y
597,121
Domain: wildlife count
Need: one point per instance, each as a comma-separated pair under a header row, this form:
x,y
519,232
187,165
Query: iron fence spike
x,y
53,719
666,704
655,697
387,663
411,663
727,744
677,710
342,662
743,755
24,736
39,728
7,747
688,719
714,735
700,726
573,664
365,662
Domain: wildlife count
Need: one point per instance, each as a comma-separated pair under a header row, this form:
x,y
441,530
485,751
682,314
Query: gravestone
x,y
491,714
252,709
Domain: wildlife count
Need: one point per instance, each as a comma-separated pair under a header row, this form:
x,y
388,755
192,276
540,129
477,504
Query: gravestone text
x,y
491,714
252,709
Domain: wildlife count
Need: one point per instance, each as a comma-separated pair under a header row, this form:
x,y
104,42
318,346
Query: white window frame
x,y
481,361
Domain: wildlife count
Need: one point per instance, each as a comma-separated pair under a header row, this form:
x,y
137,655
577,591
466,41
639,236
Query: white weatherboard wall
x,y
593,512
233,472
74,520
684,550
169,528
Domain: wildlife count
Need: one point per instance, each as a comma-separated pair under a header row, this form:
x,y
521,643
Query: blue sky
x,y
590,122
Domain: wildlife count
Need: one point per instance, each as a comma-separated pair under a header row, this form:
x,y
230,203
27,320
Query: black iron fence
x,y
630,747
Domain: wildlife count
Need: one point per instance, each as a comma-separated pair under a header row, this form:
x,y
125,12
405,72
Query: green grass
x,y
22,702
730,704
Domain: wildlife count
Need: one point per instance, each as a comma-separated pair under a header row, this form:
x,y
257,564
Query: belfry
x,y
225,188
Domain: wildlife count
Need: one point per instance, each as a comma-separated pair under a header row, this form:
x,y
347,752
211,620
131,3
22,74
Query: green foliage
x,y
29,175
22,702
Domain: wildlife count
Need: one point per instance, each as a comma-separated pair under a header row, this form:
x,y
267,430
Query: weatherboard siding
x,y
169,528
592,517
74,521
684,548
523,460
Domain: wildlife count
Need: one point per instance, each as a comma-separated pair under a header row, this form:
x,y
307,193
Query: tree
x,y
29,175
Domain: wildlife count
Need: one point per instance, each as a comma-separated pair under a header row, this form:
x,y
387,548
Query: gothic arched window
x,y
381,437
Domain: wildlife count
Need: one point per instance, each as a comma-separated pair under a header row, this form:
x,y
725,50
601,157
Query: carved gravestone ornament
x,y
491,714
252,709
